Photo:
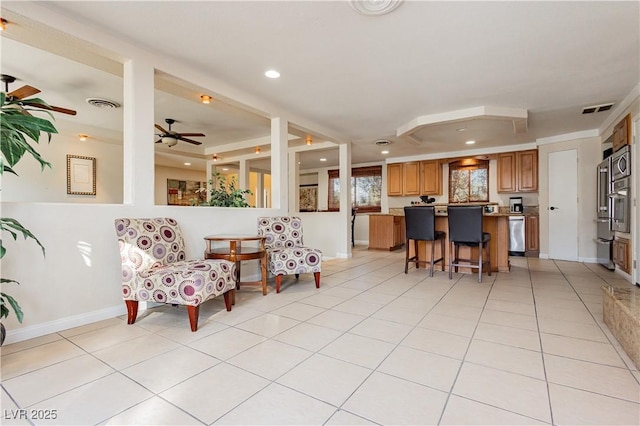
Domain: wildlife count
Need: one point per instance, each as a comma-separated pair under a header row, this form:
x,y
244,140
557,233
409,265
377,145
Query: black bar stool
x,y
420,225
465,229
353,224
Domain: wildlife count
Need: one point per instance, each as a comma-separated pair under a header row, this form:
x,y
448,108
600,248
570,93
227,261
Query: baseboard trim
x,y
543,256
588,259
38,330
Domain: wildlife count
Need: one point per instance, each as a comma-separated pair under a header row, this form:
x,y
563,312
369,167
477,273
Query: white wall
x,y
50,185
162,173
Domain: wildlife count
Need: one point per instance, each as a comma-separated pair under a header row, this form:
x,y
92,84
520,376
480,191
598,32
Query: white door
x,y
563,205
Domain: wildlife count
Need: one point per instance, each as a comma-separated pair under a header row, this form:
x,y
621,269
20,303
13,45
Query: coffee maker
x,y
515,205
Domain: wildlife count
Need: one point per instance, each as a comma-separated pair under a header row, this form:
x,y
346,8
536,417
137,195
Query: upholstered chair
x,y
154,269
286,254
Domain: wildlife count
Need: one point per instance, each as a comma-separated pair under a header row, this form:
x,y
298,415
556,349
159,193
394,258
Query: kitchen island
x,y
497,224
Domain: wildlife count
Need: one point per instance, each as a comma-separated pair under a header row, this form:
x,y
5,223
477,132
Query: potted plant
x,y
223,195
18,129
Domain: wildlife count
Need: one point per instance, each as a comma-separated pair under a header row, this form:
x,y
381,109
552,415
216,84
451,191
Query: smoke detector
x,y
102,103
597,108
383,142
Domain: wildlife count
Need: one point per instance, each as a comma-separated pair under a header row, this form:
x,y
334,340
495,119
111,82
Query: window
x,y
468,181
366,189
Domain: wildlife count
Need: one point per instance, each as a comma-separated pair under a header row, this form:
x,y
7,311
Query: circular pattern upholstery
x,y
154,266
286,253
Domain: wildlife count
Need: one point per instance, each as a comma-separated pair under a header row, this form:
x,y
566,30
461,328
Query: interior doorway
x,y
563,205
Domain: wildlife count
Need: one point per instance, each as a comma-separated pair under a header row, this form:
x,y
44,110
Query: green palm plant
x,y
18,129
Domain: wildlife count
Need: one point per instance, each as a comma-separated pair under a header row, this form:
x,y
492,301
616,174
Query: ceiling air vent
x,y
383,142
597,108
102,103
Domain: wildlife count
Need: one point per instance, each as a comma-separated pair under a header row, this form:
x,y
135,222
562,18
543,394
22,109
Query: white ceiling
x,y
365,77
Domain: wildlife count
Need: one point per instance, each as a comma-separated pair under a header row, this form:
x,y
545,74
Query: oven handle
x,y
603,220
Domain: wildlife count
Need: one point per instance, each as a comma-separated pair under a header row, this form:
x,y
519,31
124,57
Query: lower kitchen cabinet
x,y
386,231
532,236
621,253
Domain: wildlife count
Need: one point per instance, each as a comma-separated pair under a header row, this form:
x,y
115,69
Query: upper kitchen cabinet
x,y
518,171
411,178
394,179
431,173
622,133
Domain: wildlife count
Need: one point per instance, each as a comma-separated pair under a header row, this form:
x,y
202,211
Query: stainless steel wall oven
x,y
621,205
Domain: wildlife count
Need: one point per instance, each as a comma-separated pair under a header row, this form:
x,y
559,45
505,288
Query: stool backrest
x,y
420,222
465,223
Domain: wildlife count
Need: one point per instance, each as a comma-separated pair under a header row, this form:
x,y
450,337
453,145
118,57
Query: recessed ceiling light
x,y
323,159
83,137
384,152
187,164
470,142
461,129
225,169
272,74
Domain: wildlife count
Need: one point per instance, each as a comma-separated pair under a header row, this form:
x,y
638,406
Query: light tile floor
x,y
371,346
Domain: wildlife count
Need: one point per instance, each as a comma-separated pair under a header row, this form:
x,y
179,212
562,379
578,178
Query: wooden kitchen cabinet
x,y
621,251
507,172
527,167
411,178
518,171
386,231
394,179
431,177
532,236
622,133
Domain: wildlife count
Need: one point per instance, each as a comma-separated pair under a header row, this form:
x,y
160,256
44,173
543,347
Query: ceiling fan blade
x,y
159,141
192,134
190,141
159,127
24,92
54,108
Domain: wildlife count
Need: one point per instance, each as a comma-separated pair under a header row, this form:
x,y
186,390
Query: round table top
x,y
234,237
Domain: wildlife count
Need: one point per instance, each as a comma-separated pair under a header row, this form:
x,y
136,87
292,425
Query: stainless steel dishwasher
x,y
516,235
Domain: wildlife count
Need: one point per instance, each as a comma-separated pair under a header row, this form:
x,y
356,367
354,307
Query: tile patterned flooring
x,y
371,346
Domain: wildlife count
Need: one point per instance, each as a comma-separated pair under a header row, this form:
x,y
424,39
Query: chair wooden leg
x,y
406,257
193,316
450,259
433,256
278,282
132,310
480,262
228,299
297,276
316,276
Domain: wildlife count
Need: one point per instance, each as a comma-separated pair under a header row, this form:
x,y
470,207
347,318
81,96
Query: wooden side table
x,y
236,253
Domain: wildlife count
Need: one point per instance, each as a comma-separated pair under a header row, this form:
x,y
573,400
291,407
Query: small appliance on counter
x,y
515,205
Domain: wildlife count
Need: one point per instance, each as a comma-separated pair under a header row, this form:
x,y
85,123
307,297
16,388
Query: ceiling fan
x,y
171,137
26,91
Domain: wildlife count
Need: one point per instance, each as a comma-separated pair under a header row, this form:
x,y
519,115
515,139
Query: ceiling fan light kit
x,y
25,92
171,137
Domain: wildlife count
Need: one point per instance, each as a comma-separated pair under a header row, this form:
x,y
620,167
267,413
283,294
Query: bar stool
x,y
420,226
465,229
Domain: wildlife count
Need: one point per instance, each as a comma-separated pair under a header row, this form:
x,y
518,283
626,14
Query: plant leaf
x,y
8,224
14,304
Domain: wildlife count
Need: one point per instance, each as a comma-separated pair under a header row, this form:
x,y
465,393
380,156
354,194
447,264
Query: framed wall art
x,y
308,198
81,175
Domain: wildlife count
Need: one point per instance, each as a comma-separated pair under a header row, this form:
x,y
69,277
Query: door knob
x,y
554,208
